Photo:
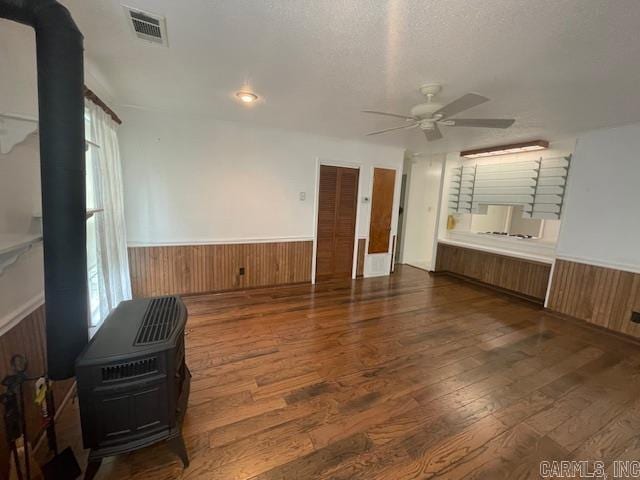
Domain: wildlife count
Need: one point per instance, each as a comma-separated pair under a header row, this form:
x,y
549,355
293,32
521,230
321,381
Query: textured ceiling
x,y
558,66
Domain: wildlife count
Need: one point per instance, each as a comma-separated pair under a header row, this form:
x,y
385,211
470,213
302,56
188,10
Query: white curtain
x,y
113,281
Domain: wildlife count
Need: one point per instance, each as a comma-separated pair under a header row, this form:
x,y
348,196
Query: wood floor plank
x,y
314,464
410,376
428,460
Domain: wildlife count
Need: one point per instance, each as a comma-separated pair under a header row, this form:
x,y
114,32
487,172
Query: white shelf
x,y
92,211
12,246
88,214
16,127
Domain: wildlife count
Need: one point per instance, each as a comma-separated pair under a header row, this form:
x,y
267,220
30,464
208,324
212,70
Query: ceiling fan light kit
x,y
430,115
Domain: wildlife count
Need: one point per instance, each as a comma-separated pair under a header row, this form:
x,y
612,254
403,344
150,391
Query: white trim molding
x,y
549,283
229,241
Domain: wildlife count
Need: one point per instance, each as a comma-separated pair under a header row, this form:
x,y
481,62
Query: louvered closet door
x,y
338,197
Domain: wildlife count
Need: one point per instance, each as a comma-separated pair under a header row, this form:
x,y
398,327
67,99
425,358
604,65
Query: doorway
x,y
421,214
400,235
336,229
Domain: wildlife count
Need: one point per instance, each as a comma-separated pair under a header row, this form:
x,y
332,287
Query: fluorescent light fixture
x,y
505,149
246,97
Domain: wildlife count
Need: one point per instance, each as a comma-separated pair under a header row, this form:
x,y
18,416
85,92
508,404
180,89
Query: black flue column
x,y
59,46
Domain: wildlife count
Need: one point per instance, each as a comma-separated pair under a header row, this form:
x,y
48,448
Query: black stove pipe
x,y
62,169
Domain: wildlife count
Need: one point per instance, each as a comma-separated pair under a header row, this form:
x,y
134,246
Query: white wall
x,y
21,284
191,179
601,218
422,209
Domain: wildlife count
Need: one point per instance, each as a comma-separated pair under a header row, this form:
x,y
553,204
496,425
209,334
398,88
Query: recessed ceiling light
x,y
246,97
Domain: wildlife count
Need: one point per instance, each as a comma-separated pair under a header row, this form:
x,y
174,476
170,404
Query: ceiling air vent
x,y
147,26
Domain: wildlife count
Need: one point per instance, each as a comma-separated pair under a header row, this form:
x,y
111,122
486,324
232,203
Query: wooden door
x,y
384,181
337,204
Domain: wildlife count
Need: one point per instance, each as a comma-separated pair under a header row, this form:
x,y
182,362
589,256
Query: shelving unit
x,y
12,246
537,185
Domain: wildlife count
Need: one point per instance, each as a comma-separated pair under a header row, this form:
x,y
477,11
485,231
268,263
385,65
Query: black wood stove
x,y
133,382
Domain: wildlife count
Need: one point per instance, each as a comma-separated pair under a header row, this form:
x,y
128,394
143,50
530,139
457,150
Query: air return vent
x,y
147,26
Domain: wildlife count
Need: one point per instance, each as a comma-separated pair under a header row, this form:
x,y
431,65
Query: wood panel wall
x,y
362,245
602,296
188,269
28,339
524,277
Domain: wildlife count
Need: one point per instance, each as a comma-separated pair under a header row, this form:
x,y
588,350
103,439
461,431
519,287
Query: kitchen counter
x,y
526,248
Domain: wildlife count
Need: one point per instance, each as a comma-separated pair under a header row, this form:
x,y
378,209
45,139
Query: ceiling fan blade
x,y
375,112
403,127
483,122
460,105
434,134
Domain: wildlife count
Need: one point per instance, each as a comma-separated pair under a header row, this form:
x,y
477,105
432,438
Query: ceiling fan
x,y
430,115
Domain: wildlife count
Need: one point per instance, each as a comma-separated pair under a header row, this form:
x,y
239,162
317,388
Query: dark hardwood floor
x,y
402,377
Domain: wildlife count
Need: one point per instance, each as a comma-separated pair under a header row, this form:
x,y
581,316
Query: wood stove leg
x,y
92,469
176,445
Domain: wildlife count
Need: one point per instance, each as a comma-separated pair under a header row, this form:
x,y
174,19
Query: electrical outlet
x,y
635,317
241,270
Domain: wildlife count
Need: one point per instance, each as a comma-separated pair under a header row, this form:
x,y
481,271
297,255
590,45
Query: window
x,y
107,263
93,253
506,219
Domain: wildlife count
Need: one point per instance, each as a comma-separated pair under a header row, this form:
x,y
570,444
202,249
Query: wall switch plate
x,y
635,317
303,196
241,270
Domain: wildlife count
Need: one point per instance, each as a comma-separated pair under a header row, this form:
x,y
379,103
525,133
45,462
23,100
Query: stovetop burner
x,y
513,235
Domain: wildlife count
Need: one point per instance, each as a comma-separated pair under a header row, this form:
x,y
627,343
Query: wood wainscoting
x,y
190,269
602,296
524,277
27,338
